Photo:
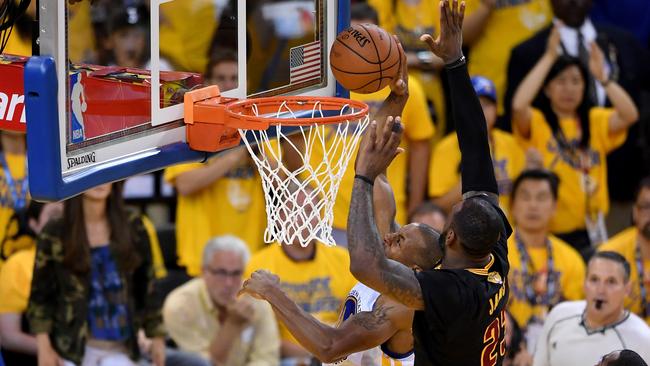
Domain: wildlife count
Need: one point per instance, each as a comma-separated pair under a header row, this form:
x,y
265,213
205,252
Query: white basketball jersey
x,y
362,298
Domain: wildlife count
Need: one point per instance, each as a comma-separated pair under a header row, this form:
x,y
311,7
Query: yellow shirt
x,y
417,126
319,286
17,169
180,43
231,205
16,281
567,266
508,160
192,322
625,244
511,23
573,192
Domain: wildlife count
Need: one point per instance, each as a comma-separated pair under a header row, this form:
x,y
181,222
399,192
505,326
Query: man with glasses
x,y
634,245
205,318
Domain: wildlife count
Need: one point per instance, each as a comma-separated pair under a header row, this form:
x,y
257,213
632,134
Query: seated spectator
x,y
544,270
227,184
430,214
625,357
316,277
576,333
223,70
507,156
205,318
634,245
19,346
573,137
103,289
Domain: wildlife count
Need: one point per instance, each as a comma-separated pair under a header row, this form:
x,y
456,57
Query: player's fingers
x,y
461,14
444,15
387,131
454,11
426,38
372,134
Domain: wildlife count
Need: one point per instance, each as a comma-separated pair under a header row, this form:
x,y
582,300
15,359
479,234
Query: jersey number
x,y
494,331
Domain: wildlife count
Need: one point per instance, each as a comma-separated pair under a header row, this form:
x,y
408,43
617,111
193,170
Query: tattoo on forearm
x,y
362,232
374,319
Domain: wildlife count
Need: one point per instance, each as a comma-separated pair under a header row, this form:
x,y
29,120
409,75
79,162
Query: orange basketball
x,y
364,58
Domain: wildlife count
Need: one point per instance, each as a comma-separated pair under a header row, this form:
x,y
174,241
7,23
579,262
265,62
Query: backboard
x,y
104,99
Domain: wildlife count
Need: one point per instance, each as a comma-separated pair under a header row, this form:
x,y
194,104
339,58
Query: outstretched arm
x,y
359,332
476,164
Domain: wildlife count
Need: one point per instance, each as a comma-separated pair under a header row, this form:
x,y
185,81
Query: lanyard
x,y
19,200
645,306
551,285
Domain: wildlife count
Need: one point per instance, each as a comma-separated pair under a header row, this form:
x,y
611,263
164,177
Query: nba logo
x,y
78,106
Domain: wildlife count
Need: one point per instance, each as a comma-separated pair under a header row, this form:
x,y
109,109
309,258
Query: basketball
x,y
364,58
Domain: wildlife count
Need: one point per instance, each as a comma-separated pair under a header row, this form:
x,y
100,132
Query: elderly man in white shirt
x,y
580,332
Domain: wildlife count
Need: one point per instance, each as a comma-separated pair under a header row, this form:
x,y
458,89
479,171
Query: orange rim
x,y
242,114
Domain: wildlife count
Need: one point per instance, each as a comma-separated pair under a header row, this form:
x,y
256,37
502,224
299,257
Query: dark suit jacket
x,y
631,60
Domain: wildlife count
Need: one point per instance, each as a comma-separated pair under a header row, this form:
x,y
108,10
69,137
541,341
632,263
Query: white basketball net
x,y
299,203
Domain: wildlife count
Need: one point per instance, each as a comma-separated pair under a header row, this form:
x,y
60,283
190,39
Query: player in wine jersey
x,y
460,307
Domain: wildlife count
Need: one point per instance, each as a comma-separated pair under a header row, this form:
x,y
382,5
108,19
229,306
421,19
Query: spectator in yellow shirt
x,y
544,270
508,158
634,245
316,277
573,138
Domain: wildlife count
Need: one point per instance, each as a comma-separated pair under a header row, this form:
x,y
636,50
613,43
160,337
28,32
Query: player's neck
x,y
454,260
533,238
12,143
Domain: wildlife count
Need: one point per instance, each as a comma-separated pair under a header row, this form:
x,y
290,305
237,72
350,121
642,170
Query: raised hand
x,y
399,85
553,43
240,312
379,147
448,45
597,63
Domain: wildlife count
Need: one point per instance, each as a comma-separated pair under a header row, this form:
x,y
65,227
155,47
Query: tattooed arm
x,y
359,332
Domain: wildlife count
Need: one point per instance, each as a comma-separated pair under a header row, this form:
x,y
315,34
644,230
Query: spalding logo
x,y
360,38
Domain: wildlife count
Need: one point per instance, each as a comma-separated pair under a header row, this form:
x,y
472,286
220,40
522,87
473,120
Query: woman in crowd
x,y
571,137
92,288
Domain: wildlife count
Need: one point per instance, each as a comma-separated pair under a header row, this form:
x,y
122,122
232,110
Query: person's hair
x,y
478,226
124,17
218,56
536,174
75,236
627,357
643,184
428,207
562,63
615,257
425,259
361,10
225,243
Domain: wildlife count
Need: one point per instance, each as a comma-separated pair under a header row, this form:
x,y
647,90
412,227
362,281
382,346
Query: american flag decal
x,y
305,62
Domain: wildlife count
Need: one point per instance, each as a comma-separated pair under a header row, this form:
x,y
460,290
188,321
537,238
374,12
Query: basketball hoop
x,y
299,201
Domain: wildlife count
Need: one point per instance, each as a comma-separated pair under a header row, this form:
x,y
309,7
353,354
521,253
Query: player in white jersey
x,y
373,330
